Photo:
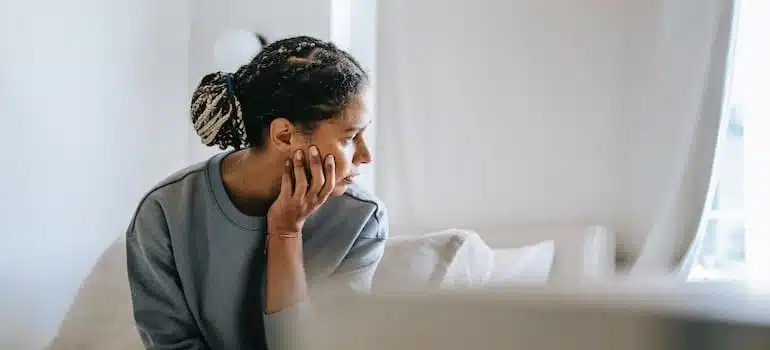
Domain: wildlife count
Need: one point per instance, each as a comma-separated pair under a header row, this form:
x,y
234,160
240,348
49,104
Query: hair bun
x,y
216,113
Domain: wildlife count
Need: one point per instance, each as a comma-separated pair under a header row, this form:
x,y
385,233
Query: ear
x,y
282,134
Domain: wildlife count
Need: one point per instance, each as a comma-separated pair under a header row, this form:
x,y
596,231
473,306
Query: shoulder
x,y
171,185
359,194
357,211
168,191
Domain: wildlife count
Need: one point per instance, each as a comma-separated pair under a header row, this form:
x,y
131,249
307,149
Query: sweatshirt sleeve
x,y
355,273
160,311
283,329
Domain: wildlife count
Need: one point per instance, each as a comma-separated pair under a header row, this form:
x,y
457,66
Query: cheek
x,y
343,158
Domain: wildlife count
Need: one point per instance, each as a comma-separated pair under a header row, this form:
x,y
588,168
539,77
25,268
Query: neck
x,y
252,179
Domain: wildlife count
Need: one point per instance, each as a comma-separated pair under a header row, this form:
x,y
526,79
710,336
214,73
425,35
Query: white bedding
x,y
528,264
433,261
457,258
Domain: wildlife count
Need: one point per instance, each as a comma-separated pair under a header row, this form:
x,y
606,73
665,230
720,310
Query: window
x,y
737,238
723,249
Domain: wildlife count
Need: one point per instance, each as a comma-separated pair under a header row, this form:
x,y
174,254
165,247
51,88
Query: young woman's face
x,y
343,138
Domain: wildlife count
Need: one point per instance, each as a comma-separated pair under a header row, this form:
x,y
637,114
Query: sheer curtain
x,y
718,218
733,240
676,222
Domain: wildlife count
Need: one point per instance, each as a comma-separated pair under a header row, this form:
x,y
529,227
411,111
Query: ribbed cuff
x,y
284,329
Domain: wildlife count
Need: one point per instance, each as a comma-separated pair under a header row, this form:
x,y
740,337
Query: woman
x,y
220,254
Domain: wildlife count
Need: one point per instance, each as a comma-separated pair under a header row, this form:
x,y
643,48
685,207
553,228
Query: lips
x,y
350,178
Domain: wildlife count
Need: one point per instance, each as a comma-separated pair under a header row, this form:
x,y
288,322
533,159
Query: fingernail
x,y
314,150
288,163
330,159
298,154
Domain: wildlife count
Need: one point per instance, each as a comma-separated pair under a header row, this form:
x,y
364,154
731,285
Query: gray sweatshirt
x,y
196,265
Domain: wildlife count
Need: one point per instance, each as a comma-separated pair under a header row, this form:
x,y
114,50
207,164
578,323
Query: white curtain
x,y
507,114
676,225
501,114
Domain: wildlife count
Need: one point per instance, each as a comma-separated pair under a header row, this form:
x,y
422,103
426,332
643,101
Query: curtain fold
x,y
676,228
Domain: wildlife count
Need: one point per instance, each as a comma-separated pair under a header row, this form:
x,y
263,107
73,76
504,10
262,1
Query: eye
x,y
348,140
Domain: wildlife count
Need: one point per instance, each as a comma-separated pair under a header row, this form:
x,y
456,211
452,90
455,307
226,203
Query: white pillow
x,y
527,264
439,260
471,265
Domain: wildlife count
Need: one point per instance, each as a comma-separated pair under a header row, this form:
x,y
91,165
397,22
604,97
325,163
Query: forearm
x,y
286,280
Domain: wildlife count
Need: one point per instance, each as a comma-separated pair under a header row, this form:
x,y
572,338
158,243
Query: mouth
x,y
349,179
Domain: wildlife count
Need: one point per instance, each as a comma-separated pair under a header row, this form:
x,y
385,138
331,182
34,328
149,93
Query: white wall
x,y
93,101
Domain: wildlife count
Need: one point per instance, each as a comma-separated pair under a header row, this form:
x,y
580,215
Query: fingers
x,y
287,188
317,178
300,178
319,187
329,174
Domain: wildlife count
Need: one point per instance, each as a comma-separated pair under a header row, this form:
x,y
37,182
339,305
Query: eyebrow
x,y
357,128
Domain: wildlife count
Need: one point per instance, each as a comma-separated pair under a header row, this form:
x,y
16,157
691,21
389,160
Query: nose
x,y
362,155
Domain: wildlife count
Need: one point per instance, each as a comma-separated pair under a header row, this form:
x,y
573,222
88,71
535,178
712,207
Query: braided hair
x,y
302,79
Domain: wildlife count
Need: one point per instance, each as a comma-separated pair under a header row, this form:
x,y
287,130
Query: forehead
x,y
353,118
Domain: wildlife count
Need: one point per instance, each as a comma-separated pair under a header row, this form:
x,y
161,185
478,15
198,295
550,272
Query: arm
x,y
355,273
286,283
285,293
160,311
286,287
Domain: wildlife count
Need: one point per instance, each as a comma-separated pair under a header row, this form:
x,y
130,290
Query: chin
x,y
339,190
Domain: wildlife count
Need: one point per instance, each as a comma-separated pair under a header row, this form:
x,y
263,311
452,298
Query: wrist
x,y
276,228
284,234
287,242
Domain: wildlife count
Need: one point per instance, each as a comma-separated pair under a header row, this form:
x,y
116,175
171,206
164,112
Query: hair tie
x,y
230,91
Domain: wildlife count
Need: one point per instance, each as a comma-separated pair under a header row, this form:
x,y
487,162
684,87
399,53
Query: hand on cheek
x,y
306,183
